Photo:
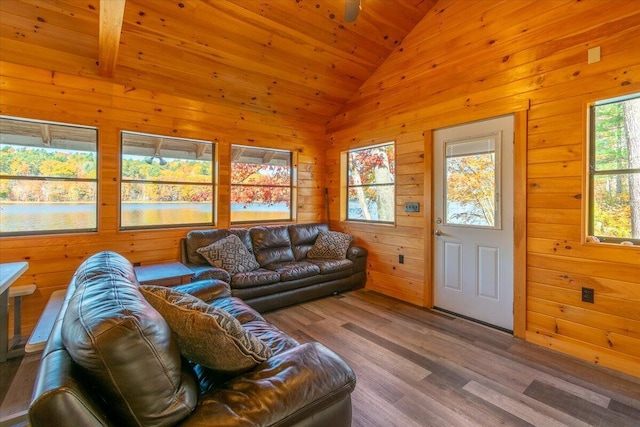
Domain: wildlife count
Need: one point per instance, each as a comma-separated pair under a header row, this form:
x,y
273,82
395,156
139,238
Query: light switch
x,y
412,207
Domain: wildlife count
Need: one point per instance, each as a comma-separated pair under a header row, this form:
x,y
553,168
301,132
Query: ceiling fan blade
x,y
351,10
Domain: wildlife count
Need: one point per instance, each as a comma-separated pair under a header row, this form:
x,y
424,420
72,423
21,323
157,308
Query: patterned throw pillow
x,y
207,335
330,244
231,254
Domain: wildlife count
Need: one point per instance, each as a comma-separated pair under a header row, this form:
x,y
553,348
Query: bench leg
x,y
4,325
16,347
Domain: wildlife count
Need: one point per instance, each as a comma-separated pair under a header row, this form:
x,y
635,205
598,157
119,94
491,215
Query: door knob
x,y
438,233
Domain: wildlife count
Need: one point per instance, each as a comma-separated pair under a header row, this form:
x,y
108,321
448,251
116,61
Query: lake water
x,y
32,217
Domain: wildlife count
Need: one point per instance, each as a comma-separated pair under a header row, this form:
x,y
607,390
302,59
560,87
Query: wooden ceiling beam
x,y
111,17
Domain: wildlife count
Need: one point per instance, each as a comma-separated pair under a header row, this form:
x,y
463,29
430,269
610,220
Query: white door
x,y
473,214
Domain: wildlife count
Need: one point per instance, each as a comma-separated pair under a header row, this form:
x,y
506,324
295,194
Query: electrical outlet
x,y
401,259
587,295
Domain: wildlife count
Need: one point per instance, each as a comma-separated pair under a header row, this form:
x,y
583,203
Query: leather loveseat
x,y
285,272
113,360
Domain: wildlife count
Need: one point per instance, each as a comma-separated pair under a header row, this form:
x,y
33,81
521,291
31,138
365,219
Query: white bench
x,y
43,329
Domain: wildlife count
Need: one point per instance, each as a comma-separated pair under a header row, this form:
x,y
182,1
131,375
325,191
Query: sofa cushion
x,y
330,244
328,266
258,277
124,346
238,309
206,334
291,388
229,254
277,340
271,244
294,270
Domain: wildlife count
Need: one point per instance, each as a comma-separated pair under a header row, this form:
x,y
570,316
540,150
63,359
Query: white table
x,y
9,273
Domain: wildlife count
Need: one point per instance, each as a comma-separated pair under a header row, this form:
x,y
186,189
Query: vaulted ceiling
x,y
295,58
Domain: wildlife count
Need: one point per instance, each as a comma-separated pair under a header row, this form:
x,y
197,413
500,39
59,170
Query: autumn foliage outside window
x,y
48,177
614,170
261,184
165,182
371,184
472,176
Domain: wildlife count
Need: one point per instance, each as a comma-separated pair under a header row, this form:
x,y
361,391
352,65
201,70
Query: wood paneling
x,y
463,62
293,75
45,95
295,59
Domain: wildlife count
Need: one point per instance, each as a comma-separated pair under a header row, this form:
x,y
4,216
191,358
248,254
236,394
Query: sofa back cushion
x,y
125,346
197,239
303,236
271,244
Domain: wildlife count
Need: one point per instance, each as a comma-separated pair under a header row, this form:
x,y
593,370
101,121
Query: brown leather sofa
x,y
285,275
112,360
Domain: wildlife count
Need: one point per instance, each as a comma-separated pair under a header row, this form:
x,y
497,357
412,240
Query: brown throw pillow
x,y
231,254
207,335
330,244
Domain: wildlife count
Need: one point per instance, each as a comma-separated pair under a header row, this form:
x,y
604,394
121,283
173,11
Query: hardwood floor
x,y
417,367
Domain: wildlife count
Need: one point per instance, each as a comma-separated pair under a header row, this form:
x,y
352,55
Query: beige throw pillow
x,y
231,254
207,335
330,244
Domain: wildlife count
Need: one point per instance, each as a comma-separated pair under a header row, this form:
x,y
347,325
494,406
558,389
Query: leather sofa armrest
x,y
207,290
358,255
205,272
293,385
356,252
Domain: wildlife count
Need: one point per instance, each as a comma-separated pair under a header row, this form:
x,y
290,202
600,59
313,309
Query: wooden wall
x,y
473,59
45,95
467,60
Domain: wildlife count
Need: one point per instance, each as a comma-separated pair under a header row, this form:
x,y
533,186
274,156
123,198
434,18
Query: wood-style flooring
x,y
417,367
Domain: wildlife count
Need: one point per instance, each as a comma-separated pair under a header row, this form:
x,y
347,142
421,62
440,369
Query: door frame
x,y
519,111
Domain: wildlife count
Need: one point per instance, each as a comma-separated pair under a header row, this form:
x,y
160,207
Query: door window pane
x,y
472,182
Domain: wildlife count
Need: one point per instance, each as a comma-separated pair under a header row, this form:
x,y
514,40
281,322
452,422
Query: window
x,y
371,184
48,177
614,170
166,182
261,184
472,181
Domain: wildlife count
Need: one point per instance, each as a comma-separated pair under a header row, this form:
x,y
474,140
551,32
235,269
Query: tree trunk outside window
x,y
631,111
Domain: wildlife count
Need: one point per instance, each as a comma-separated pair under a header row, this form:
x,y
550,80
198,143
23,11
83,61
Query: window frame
x,y
347,186
94,181
592,173
292,186
156,155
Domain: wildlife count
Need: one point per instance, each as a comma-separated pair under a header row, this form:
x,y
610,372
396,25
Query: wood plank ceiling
x,y
295,58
